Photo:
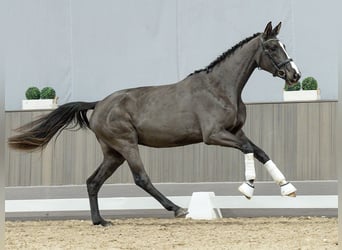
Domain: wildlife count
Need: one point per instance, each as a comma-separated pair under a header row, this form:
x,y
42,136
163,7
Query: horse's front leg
x,y
241,142
250,150
286,188
247,187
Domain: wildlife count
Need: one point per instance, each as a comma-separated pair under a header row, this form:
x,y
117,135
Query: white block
x,y
39,104
301,95
202,207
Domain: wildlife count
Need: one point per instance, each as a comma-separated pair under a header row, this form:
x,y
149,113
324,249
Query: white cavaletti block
x,y
202,207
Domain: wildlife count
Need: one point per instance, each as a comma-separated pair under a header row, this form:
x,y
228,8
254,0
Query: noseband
x,y
278,66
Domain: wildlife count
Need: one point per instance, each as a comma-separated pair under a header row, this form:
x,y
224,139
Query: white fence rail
x,y
315,198
136,203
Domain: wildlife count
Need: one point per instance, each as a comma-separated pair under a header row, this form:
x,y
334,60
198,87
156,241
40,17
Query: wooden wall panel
x,y
299,137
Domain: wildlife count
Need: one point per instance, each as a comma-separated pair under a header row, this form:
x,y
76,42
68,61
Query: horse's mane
x,y
226,54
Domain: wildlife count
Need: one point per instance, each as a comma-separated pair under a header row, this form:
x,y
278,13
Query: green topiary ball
x,y
294,87
47,93
309,83
32,93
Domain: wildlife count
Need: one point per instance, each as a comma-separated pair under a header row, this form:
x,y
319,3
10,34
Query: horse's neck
x,y
233,73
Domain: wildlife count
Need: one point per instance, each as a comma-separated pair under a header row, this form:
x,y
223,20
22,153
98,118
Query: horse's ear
x,y
268,30
276,29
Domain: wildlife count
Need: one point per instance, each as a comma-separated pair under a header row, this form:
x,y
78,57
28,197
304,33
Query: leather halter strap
x,y
276,65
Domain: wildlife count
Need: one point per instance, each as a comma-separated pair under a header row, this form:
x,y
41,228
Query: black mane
x,y
224,55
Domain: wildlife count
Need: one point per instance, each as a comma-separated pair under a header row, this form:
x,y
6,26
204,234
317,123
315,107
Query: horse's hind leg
x,y
142,180
111,161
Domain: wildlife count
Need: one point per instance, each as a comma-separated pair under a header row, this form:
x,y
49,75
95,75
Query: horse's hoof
x,y
292,194
288,189
247,190
103,223
181,213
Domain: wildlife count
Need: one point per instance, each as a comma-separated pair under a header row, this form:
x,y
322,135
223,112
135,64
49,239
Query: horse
x,y
206,106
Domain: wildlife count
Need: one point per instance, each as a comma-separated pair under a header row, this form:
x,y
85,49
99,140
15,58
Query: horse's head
x,y
272,56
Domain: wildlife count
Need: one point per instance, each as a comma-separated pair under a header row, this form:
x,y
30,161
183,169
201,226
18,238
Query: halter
x,y
278,66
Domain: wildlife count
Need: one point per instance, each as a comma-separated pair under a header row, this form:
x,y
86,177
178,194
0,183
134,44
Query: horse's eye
x,y
273,48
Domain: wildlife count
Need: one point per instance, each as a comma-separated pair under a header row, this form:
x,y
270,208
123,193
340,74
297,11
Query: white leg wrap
x,y
249,167
247,188
286,188
272,169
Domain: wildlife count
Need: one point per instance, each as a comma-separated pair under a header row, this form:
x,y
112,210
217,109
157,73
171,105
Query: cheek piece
x,y
278,66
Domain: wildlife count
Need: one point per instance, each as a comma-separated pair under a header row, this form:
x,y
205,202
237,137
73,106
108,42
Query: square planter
x,y
39,104
301,95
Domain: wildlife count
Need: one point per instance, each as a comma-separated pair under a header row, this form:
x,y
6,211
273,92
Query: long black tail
x,y
37,134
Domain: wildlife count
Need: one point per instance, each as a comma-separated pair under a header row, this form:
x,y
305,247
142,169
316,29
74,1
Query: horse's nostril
x,y
297,76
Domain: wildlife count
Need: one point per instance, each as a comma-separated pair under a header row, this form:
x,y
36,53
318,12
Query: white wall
x,y
37,52
2,143
87,49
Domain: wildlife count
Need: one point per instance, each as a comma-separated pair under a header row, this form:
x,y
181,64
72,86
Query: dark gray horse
x,y
206,107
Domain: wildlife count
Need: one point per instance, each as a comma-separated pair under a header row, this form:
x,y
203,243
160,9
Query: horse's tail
x,y
37,134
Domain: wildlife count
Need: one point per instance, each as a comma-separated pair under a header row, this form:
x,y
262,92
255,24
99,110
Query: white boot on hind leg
x,y
286,188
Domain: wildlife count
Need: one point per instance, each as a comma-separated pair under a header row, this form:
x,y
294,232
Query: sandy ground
x,y
229,233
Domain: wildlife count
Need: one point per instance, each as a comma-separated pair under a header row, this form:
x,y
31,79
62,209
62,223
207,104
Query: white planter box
x,y
39,104
301,95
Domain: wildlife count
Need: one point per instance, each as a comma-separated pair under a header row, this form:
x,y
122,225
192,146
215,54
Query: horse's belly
x,y
166,142
171,137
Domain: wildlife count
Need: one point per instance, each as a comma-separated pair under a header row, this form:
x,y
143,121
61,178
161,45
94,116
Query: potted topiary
x,y
309,83
308,91
47,93
293,87
36,99
32,93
